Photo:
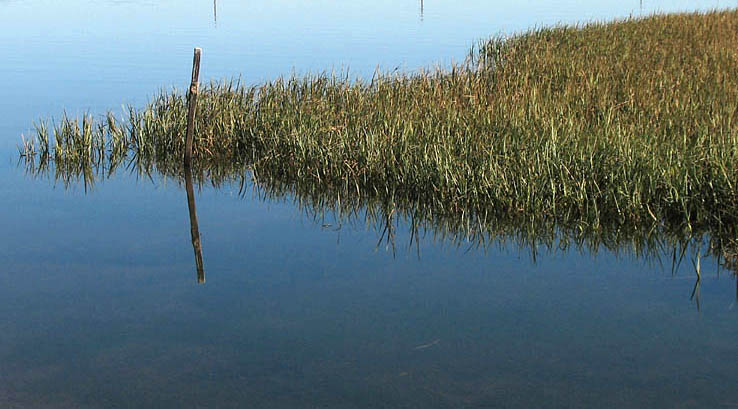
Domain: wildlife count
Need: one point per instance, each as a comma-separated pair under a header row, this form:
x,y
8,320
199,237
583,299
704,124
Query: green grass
x,y
617,126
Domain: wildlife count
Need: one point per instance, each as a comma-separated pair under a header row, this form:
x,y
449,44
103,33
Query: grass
x,y
615,126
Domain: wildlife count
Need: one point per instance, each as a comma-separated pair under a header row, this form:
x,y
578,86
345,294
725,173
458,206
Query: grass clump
x,y
624,123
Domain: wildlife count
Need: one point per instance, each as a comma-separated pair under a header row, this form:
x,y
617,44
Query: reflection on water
x,y
387,212
320,326
194,228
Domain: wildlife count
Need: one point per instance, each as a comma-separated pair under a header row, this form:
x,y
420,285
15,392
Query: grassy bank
x,y
628,123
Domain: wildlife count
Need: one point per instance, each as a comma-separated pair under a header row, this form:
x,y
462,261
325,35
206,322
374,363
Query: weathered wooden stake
x,y
191,110
192,105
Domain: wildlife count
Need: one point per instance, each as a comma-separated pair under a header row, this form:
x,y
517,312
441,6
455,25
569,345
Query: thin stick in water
x,y
192,106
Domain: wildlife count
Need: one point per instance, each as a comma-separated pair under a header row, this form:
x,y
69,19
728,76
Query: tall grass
x,y
607,125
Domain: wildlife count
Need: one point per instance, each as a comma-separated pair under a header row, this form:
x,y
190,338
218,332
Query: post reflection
x,y
194,228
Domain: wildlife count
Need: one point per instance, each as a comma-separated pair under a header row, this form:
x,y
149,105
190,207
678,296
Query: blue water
x,y
100,305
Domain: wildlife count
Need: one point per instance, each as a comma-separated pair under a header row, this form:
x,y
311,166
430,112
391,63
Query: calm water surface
x,y
100,303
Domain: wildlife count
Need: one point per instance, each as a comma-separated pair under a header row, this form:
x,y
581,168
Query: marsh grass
x,y
618,126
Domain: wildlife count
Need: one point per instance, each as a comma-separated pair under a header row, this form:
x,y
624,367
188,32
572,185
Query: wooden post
x,y
192,105
191,110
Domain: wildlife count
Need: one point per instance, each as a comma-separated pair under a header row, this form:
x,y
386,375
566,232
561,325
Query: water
x,y
100,302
